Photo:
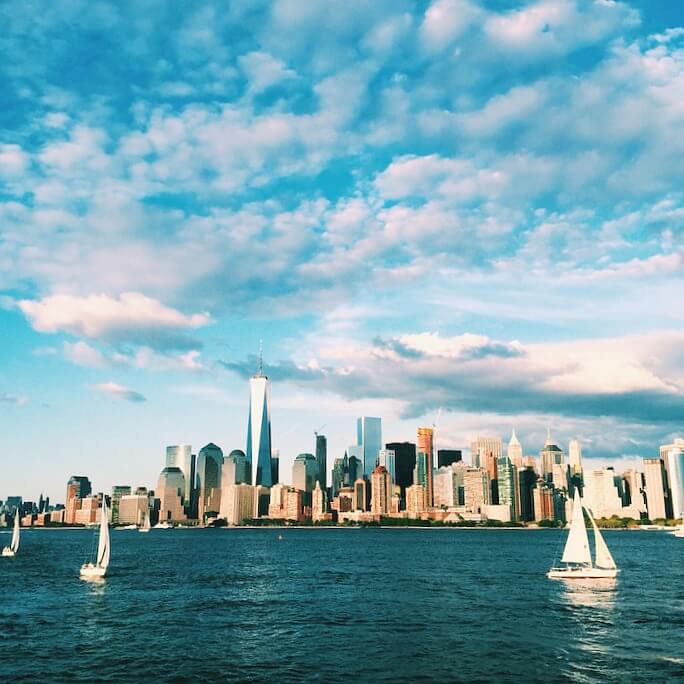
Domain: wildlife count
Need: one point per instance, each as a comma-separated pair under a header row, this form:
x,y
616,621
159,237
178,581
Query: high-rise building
x,y
181,456
340,469
601,495
318,503
275,465
416,500
527,478
209,465
236,469
322,460
507,477
355,466
259,429
575,457
544,508
171,490
446,457
381,491
404,464
361,498
484,448
305,475
117,492
448,485
550,455
673,457
476,489
655,478
237,503
386,458
132,509
78,487
425,444
369,438
515,451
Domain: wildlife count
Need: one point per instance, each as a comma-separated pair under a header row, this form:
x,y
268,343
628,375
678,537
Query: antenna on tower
x,y
261,357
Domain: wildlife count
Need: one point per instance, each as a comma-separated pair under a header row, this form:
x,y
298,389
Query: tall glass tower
x,y
369,438
259,429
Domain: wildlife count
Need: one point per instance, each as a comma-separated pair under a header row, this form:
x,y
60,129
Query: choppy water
x,y
405,605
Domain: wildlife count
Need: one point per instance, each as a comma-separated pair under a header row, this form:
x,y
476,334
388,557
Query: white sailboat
x,y
576,559
99,567
11,550
146,526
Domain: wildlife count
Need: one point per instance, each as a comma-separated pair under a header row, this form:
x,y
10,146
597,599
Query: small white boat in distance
x,y
11,550
99,567
146,526
679,532
576,558
163,526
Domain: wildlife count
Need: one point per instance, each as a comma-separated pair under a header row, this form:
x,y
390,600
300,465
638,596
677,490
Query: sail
x,y
103,545
603,557
577,546
15,533
146,523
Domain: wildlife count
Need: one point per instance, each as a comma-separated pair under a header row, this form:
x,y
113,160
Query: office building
x,y
575,457
322,460
237,503
386,458
655,478
305,475
404,464
425,444
117,492
209,467
601,494
507,477
550,455
319,507
236,469
484,449
514,451
527,479
78,487
133,508
381,491
170,491
259,451
275,465
369,438
448,485
181,456
673,457
416,500
476,489
261,500
361,494
446,457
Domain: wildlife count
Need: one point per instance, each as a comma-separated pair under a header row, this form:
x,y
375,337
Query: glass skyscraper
x,y
322,459
369,438
259,430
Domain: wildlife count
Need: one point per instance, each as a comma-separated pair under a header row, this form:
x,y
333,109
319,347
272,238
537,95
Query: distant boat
x,y
679,532
576,558
99,567
11,550
146,526
163,526
127,527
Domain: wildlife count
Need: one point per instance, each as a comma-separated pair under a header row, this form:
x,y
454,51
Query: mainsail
x,y
604,559
103,545
14,545
577,546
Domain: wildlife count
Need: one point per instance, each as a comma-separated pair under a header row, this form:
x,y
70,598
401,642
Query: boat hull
x,y
582,573
142,529
90,571
8,553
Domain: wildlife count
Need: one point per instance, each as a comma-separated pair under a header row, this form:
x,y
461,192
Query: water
x,y
399,605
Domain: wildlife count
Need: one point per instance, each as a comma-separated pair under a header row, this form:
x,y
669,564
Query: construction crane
x,y
317,431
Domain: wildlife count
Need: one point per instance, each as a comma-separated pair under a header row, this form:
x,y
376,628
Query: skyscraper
x,y
322,460
181,456
674,464
446,457
515,451
259,429
171,488
575,457
404,463
483,447
425,445
386,458
275,465
305,475
209,465
381,491
507,477
117,492
550,455
656,488
369,438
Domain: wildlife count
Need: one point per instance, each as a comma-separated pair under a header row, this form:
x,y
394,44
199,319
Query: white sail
x,y
15,533
103,548
146,523
604,559
577,546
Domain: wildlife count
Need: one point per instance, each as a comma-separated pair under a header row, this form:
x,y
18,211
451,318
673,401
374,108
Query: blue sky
x,y
469,206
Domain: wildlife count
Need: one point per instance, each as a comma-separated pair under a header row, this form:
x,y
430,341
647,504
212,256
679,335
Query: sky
x,y
459,213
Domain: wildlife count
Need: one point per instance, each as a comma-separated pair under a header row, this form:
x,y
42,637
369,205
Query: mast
x,y
103,548
577,546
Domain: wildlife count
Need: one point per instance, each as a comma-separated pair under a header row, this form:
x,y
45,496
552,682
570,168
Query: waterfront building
x,y
319,507
484,448
381,491
575,457
78,487
425,445
171,490
416,500
344,501
601,495
387,458
238,503
673,457
117,492
133,508
339,471
514,451
88,511
262,496
633,490
404,464
322,460
559,476
369,438
507,477
550,455
286,503
655,478
361,498
181,456
544,508
527,479
305,474
209,466
235,469
446,457
448,485
259,451
476,489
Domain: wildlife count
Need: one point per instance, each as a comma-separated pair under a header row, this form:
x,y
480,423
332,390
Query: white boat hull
x,y
89,571
142,529
582,573
8,553
678,533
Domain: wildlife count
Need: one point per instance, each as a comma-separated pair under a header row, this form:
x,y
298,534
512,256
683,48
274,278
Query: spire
x,y
548,434
261,357
514,438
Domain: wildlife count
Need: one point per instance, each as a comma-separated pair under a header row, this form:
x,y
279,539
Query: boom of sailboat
x,y
576,560
11,550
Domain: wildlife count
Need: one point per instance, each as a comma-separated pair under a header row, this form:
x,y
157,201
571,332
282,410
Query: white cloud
x,y
120,392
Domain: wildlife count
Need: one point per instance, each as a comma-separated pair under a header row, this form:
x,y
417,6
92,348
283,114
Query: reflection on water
x,y
590,593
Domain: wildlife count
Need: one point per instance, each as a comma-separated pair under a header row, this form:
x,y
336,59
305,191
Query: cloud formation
x,y
120,392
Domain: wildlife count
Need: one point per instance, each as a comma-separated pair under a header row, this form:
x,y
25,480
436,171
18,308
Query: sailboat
x,y
576,559
679,532
146,526
99,567
12,549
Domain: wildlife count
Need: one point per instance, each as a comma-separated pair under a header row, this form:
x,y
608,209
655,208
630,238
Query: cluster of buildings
x,y
371,481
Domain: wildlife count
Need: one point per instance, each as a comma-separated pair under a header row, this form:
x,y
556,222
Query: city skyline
x,y
454,212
